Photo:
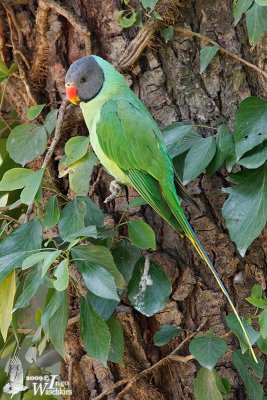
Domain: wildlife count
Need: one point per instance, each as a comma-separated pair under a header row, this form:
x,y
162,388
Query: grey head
x,y
86,76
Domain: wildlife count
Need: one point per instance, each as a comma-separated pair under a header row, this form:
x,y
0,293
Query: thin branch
x,y
222,50
53,144
172,356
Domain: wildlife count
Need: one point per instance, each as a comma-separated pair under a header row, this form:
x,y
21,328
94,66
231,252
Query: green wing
x,y
130,137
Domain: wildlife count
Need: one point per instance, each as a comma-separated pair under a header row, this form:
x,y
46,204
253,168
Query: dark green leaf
x,y
139,201
117,341
239,8
207,349
30,287
151,4
75,148
255,157
98,280
155,296
262,345
179,138
125,258
141,234
26,142
34,111
241,363
227,146
198,158
50,121
263,323
235,327
94,332
256,19
223,385
98,256
77,214
103,307
166,334
62,275
244,211
51,212
251,124
207,53
220,156
205,387
167,33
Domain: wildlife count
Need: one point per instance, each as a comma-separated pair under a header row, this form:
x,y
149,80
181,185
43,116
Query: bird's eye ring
x,y
83,79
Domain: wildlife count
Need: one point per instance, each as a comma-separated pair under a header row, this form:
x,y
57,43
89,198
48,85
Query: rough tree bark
x,y
44,39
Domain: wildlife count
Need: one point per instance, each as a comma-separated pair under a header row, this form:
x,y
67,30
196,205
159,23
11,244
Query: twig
x,y
222,49
99,174
74,320
53,144
172,356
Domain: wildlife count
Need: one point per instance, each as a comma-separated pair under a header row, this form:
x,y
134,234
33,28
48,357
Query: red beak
x,y
72,93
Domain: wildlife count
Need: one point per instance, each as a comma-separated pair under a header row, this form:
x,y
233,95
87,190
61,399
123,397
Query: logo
x,y
49,385
15,384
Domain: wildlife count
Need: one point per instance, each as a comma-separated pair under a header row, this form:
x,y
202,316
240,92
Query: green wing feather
x,y
130,137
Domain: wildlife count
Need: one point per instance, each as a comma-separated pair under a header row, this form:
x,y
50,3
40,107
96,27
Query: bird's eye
x,y
83,79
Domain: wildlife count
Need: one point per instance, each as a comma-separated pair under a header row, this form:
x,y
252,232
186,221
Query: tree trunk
x,y
45,39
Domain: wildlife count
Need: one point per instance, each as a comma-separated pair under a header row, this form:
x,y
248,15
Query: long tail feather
x,y
198,246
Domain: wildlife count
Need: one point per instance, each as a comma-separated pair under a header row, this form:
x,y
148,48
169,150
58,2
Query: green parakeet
x,y
130,146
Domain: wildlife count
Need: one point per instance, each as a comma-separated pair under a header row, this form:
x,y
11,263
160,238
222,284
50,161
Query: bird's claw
x,y
115,188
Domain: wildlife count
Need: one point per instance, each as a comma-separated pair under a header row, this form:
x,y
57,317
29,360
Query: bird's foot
x,y
115,188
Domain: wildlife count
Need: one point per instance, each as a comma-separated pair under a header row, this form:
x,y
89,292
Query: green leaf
x,y
50,121
51,212
55,319
26,142
7,295
117,341
207,53
62,275
259,303
139,201
263,323
75,148
50,257
3,69
77,214
16,178
33,259
255,157
30,287
256,291
244,211
167,33
239,8
205,386
235,327
141,234
103,307
151,4
227,147
13,68
250,125
262,345
179,138
126,19
94,332
166,334
261,2
34,111
207,349
98,280
30,191
256,19
155,296
80,174
220,155
242,362
125,258
98,256
198,158
23,239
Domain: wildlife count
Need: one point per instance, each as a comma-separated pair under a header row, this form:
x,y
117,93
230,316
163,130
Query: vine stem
x,y
52,146
172,356
222,49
